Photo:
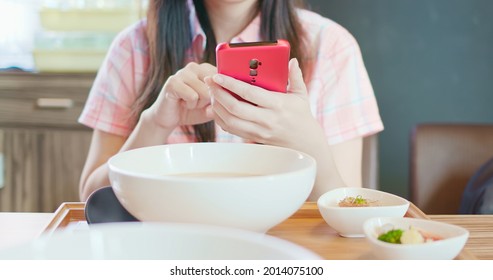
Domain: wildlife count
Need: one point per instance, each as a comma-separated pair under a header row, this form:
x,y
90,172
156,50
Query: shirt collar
x,y
250,34
197,32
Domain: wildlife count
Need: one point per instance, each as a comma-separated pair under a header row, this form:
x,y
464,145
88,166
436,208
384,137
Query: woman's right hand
x,y
184,98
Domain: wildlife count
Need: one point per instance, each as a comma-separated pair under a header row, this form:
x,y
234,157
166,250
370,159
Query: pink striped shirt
x,y
340,92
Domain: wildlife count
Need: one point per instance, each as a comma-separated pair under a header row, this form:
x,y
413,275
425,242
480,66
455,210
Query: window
x,y
21,31
19,21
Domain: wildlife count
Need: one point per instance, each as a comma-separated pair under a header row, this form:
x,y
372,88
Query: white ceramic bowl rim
x,y
308,161
321,201
348,221
459,229
453,239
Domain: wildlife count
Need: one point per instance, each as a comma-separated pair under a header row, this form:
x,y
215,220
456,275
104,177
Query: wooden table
x,y
306,228
480,243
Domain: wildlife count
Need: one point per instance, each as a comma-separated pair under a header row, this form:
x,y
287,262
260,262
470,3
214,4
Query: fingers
x,y
226,106
188,84
253,94
296,83
204,70
185,89
242,128
260,96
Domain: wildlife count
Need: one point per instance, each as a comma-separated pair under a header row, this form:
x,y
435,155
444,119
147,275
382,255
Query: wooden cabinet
x,y
42,147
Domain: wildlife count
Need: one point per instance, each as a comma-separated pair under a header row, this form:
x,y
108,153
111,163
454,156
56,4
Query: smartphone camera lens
x,y
254,64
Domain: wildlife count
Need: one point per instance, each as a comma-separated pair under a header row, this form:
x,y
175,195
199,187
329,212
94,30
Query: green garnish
x,y
359,200
392,236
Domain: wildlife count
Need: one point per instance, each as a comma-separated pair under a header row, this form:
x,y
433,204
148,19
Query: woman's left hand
x,y
282,119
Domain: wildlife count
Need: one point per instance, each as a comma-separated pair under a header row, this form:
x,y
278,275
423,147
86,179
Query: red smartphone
x,y
264,64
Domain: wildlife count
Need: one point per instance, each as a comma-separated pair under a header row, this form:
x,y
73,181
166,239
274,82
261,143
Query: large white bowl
x,y
348,221
454,239
247,186
158,241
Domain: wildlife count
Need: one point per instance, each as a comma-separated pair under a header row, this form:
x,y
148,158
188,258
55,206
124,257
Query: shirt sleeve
x,y
341,93
115,89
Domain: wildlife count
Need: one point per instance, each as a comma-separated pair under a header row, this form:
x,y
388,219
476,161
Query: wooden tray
x,y
306,227
66,213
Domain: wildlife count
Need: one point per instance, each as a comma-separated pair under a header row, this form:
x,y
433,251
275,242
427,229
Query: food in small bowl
x,y
247,186
346,209
414,239
157,241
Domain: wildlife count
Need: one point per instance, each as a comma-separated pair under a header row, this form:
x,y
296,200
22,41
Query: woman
x,y
159,85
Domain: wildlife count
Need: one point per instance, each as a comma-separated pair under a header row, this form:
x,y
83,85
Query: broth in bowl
x,y
213,175
357,201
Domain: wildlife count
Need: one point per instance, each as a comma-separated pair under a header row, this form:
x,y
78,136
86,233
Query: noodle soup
x,y
357,201
213,174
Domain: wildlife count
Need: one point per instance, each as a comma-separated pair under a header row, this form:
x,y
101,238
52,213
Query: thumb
x,y
296,83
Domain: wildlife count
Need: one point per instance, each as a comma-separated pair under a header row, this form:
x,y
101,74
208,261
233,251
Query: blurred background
x,y
428,60
42,35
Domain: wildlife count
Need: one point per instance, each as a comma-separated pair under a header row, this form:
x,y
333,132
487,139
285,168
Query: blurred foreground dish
x,y
157,241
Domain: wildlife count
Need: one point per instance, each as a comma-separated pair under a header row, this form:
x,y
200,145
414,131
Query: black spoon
x,y
103,206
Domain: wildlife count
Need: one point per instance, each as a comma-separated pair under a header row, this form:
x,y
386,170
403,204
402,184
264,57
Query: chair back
x,y
370,163
443,158
478,195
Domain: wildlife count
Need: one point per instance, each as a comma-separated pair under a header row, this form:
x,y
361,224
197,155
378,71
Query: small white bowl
x,y
348,221
454,239
160,241
247,186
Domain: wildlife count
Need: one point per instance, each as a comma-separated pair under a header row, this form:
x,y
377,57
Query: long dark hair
x,y
169,36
